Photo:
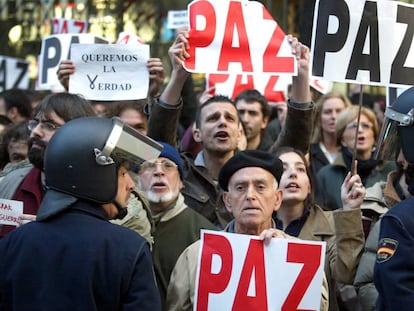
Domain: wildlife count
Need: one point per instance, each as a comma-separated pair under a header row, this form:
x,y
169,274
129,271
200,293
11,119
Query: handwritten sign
x,y
10,210
369,42
238,272
110,72
224,38
14,73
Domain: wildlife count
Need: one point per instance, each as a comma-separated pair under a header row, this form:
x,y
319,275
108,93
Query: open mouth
x,y
222,135
292,186
158,185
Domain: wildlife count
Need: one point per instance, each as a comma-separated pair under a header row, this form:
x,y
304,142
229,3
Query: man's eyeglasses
x,y
46,125
150,166
364,125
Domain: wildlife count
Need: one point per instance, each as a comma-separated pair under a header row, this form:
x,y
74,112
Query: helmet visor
x,y
388,144
126,144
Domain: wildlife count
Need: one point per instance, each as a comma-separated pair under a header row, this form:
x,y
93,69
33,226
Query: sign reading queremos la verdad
x,y
110,71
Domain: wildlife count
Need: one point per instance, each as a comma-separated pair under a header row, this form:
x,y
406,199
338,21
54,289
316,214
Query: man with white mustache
x,y
175,226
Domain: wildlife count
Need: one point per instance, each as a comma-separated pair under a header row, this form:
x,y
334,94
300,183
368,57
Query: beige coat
x,y
180,294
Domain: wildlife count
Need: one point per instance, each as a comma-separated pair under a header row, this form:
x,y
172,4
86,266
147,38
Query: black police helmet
x,y
70,161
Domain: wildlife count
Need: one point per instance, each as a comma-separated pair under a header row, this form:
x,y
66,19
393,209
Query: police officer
x,y
394,267
72,257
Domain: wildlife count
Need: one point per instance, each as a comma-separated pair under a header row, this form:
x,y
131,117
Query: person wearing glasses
x,y
175,226
27,184
370,170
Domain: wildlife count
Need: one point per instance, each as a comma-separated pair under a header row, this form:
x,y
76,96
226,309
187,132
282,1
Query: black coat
x,y
76,260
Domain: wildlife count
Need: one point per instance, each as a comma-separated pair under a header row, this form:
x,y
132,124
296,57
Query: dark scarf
x,y
364,168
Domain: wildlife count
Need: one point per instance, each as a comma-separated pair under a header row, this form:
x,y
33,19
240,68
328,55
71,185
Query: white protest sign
x,y
370,42
236,36
14,73
56,48
63,25
110,71
10,210
238,272
177,19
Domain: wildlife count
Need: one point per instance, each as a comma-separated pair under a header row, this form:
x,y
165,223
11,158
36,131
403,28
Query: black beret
x,y
250,158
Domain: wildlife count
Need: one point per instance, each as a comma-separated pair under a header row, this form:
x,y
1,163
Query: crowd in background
x,y
316,136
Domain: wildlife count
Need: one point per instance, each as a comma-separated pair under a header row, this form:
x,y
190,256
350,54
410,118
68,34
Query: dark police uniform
x,y
76,260
394,267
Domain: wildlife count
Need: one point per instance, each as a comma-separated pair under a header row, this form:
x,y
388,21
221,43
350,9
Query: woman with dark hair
x,y
342,230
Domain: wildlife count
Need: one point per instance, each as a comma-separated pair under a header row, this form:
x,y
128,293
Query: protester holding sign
x,y
342,230
250,180
370,170
154,65
217,129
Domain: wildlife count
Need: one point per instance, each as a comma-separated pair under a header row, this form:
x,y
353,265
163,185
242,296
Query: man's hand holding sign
x,y
246,269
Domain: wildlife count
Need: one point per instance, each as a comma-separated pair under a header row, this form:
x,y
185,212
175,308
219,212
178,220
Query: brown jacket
x,y
344,236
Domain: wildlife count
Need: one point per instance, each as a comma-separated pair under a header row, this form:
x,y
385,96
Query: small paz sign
x,y
10,210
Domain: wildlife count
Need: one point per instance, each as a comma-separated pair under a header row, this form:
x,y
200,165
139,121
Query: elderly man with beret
x,y
250,180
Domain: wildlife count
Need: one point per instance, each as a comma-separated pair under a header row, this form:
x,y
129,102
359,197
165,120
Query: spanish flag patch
x,y
386,249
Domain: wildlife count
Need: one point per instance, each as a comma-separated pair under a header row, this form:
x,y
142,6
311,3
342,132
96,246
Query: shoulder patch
x,y
386,249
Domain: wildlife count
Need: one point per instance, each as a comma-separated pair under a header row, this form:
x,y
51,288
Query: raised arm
x,y
298,127
164,115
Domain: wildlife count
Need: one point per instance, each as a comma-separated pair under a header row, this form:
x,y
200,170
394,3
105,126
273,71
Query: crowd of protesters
x,y
309,190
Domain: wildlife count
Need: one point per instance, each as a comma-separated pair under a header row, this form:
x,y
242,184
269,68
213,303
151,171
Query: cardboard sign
x,y
14,73
177,19
56,48
63,25
10,210
369,42
110,71
238,272
224,38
